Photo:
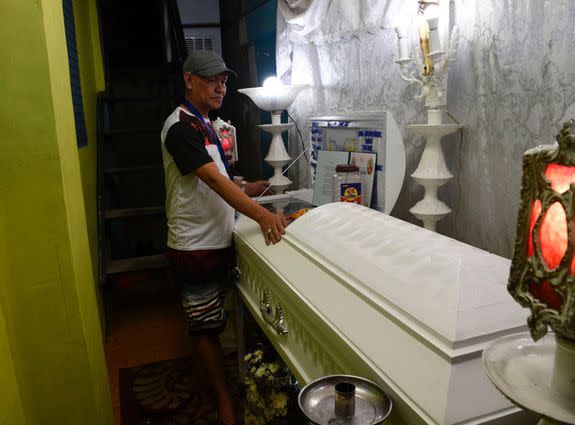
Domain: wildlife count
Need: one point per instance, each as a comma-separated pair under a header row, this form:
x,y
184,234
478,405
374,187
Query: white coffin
x,y
366,294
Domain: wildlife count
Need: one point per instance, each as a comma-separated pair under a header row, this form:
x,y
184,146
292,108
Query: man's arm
x,y
258,188
271,225
254,189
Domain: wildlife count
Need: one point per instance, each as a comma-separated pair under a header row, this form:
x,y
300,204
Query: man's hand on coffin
x,y
258,188
272,225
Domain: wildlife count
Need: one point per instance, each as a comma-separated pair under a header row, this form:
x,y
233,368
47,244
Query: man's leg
x,y
212,356
203,287
204,305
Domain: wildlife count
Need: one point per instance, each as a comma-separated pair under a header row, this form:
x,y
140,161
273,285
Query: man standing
x,y
200,203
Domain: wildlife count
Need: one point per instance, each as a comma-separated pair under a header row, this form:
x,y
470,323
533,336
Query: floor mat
x,y
172,392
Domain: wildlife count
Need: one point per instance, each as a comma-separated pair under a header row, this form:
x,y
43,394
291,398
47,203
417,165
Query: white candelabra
x,y
428,69
274,97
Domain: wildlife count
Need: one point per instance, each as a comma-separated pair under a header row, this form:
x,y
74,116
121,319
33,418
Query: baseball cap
x,y
205,63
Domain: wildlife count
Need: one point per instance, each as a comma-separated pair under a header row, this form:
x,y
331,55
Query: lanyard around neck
x,y
214,138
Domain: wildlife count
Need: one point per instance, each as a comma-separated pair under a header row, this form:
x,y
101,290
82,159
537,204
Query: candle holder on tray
x,y
344,399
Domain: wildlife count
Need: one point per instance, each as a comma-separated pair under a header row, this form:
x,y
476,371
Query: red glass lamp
x,y
537,372
543,268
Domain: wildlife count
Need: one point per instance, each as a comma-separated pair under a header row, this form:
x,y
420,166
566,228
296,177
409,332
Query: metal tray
x,y
317,401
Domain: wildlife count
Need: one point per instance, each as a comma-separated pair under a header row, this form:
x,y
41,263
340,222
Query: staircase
x,y
144,50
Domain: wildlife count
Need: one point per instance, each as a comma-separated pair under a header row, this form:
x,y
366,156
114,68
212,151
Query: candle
x,y
402,41
424,44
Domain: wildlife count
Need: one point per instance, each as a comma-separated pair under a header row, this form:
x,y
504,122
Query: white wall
x,y
194,12
213,33
199,11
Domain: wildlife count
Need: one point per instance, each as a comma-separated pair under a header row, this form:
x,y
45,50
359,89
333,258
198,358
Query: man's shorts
x,y
203,276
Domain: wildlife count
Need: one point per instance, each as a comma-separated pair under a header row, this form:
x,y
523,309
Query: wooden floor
x,y
143,334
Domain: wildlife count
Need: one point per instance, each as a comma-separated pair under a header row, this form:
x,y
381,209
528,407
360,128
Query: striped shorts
x,y
203,276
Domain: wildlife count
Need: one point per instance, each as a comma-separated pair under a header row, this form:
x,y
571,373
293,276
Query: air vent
x,y
199,43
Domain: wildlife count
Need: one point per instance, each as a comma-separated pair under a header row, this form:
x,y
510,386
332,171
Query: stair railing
x,y
101,125
175,42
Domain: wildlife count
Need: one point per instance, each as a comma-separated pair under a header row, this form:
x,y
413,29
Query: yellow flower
x,y
251,419
260,372
280,401
263,402
252,397
258,355
274,367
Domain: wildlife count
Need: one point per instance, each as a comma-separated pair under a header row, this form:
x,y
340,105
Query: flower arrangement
x,y
267,383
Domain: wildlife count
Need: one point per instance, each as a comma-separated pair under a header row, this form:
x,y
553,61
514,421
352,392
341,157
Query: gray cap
x,y
205,63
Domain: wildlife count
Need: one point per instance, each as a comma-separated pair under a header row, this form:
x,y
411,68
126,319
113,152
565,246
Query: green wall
x,y
50,340
92,79
11,410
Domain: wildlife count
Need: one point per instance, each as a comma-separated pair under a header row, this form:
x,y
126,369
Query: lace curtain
x,y
512,85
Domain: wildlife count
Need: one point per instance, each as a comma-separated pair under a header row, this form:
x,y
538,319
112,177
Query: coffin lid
x,y
439,285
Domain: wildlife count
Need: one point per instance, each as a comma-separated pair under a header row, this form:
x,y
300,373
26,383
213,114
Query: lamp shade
x,y
273,99
542,275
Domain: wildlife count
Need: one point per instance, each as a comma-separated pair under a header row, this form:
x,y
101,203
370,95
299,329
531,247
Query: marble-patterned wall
x,y
512,85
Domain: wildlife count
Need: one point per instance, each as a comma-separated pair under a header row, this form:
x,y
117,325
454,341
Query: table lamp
x,y
274,97
537,372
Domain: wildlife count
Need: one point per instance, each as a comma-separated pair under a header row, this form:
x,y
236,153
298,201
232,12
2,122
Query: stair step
x,y
124,131
140,70
133,170
148,262
132,212
126,99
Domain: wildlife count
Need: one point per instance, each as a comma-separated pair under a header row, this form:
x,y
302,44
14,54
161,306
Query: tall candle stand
x,y
428,69
275,97
432,171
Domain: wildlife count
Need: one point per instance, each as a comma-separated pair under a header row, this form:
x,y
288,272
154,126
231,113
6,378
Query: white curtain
x,y
512,85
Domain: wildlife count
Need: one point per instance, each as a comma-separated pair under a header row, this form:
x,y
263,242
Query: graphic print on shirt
x,y
196,124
